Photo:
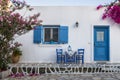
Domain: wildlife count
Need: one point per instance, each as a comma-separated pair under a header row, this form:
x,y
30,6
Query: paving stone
x,y
105,76
110,79
52,79
86,75
96,78
88,79
60,79
77,79
117,76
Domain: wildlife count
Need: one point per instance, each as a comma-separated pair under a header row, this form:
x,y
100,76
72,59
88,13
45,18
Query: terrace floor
x,y
114,76
38,71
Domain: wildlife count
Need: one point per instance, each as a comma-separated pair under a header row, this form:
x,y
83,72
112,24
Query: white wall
x,y
67,2
81,37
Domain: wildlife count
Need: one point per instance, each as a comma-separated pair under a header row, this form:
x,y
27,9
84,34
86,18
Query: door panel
x,y
101,43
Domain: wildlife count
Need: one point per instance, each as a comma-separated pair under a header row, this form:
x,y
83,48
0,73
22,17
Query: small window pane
x,y
55,34
51,35
100,36
47,35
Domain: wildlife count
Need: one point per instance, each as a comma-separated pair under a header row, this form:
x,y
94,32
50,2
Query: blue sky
x,y
66,2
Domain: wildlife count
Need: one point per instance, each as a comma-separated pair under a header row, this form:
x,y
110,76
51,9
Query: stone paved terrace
x,y
74,72
36,68
103,76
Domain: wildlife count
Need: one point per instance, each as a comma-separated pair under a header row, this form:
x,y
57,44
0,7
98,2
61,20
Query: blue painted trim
x,y
37,34
108,37
109,42
51,43
63,34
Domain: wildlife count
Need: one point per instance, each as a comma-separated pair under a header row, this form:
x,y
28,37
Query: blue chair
x,y
59,55
80,56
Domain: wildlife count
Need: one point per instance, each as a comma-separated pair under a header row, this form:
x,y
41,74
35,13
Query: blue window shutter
x,y
63,34
38,31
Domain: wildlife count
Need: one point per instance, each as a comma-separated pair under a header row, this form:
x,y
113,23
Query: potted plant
x,y
16,55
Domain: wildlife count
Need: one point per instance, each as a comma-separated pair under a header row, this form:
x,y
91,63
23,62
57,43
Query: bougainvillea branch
x,y
11,23
112,11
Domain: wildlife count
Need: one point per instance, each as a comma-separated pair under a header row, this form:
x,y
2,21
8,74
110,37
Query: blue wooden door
x,y
101,43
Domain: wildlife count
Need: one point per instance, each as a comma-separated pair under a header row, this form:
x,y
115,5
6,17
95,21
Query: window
x,y
100,36
51,34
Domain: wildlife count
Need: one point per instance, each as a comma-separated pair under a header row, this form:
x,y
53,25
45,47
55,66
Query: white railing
x,y
45,68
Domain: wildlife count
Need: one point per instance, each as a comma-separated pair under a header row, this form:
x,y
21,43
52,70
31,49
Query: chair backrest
x,y
81,51
59,55
59,51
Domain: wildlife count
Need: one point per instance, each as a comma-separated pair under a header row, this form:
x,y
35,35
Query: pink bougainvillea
x,y
98,7
112,11
12,23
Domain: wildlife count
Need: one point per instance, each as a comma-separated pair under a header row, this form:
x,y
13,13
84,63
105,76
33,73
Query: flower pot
x,y
4,74
15,59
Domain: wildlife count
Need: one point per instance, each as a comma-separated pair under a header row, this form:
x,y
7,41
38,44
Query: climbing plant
x,y
111,11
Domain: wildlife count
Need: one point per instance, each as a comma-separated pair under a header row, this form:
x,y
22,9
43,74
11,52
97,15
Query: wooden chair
x,y
80,56
59,55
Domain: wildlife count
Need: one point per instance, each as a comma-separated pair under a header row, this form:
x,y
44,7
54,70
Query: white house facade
x,y
85,29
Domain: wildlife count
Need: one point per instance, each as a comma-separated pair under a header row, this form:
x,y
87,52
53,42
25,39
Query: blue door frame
x,y
101,43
